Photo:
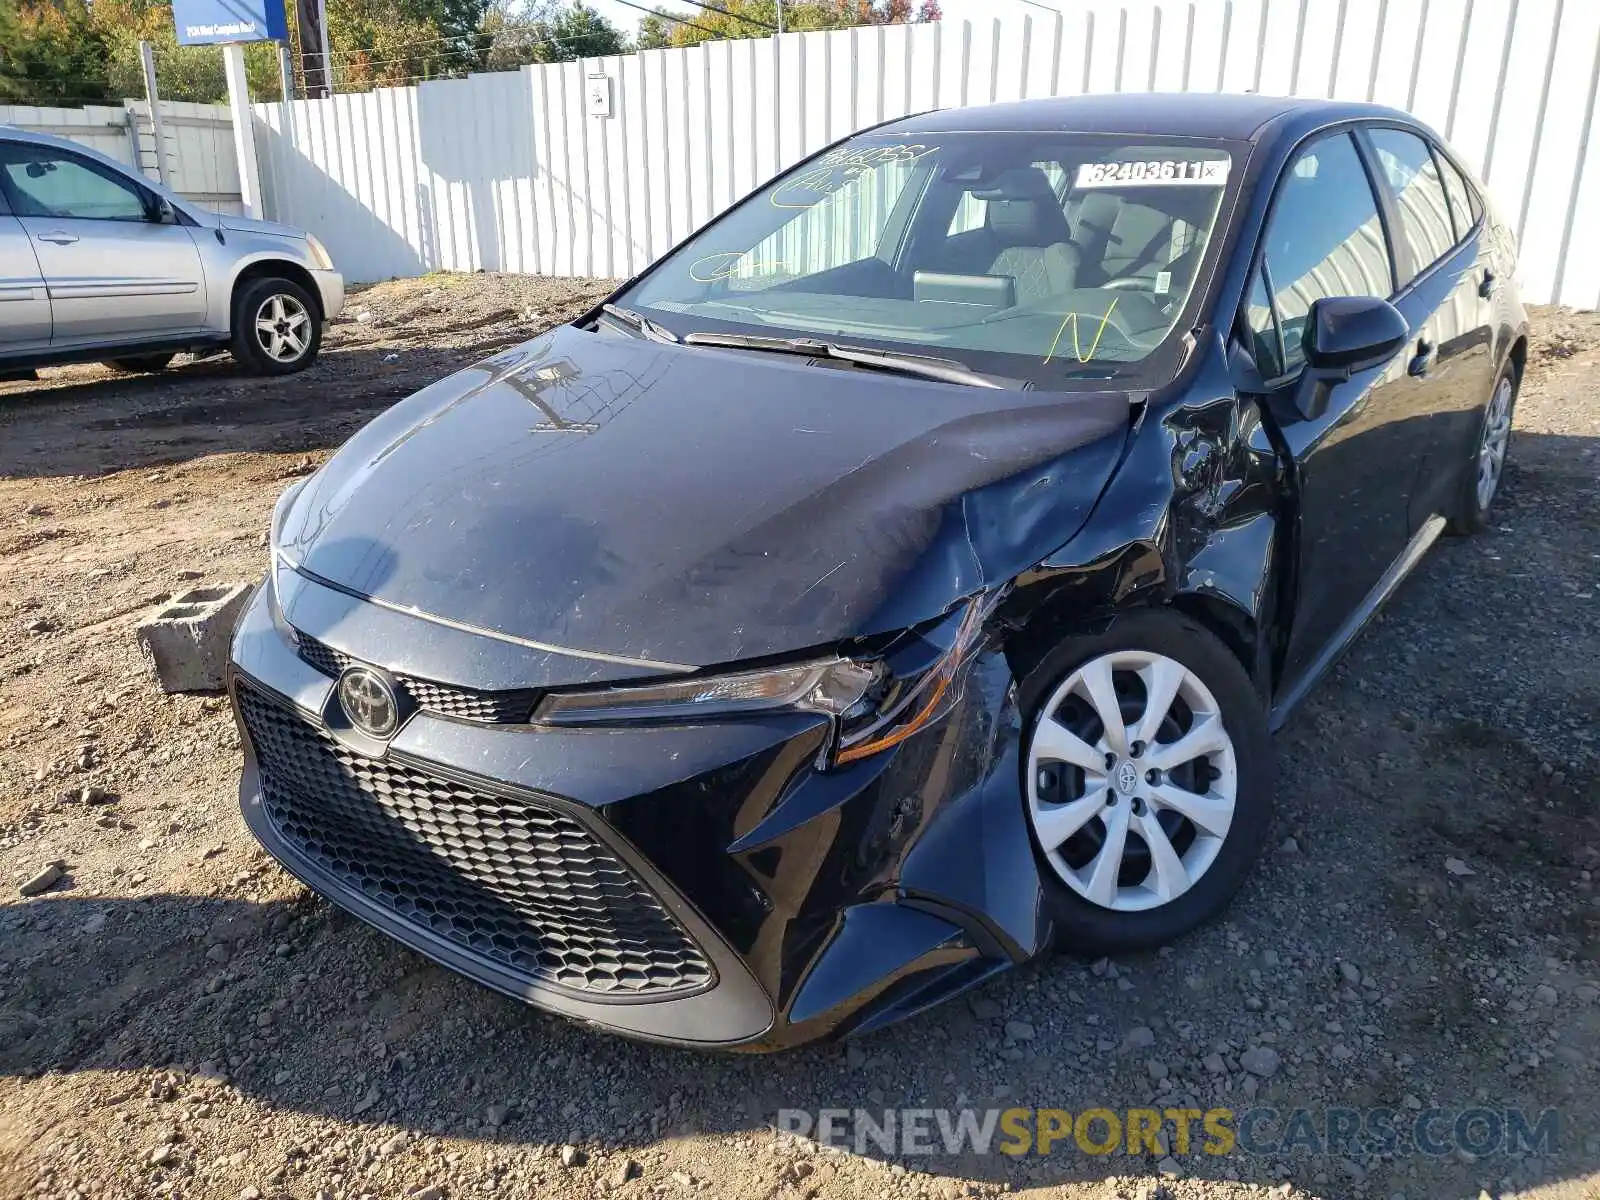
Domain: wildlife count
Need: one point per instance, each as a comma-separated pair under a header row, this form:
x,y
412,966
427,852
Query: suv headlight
x,y
320,258
874,706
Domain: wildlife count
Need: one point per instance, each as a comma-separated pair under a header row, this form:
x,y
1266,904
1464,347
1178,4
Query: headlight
x,y
916,699
832,686
280,513
320,258
874,705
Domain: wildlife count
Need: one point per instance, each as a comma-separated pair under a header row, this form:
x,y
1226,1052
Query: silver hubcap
x,y
283,327
1131,780
1496,437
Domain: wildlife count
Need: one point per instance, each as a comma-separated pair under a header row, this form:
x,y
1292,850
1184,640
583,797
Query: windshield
x,y
1040,257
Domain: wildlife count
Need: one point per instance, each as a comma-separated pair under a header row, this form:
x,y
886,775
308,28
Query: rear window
x,y
1413,175
1463,212
1034,256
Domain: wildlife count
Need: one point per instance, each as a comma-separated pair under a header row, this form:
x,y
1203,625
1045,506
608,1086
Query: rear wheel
x,y
275,327
1480,483
140,364
1149,781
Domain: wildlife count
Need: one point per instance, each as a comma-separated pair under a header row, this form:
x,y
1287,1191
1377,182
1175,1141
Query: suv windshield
x,y
1040,257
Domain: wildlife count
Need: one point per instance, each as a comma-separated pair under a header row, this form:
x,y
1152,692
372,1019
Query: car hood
x,y
690,506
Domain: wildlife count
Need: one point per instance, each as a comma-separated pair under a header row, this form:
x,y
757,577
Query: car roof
x,y
21,134
1235,116
18,133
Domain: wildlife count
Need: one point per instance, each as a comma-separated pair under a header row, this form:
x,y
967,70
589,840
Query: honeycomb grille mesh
x,y
522,885
496,708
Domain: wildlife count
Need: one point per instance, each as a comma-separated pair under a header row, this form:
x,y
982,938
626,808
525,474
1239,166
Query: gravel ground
x,y
180,1018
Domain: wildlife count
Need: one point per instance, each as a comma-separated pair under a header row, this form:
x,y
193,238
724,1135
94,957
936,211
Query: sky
x,y
627,19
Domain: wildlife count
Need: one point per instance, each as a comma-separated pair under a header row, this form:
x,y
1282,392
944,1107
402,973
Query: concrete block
x,y
186,643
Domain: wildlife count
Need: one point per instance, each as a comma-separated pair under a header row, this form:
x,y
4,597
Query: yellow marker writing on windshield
x,y
724,264
1077,351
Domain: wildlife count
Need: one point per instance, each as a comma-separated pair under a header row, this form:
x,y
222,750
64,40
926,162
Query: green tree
x,y
10,39
457,19
52,54
655,31
387,43
759,18
581,32
545,33
182,72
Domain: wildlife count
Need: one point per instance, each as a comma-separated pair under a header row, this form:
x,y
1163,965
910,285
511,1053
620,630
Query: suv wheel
x,y
1149,781
275,327
140,364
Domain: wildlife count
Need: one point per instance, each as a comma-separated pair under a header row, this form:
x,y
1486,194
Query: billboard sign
x,y
214,22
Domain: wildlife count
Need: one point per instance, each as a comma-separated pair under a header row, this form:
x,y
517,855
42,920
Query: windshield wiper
x,y
639,323
946,370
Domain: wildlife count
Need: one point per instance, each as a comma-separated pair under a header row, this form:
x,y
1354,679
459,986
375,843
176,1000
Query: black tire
x,y
140,364
247,345
1081,925
1470,514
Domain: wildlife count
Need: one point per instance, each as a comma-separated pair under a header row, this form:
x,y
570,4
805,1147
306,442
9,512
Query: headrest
x,y
1022,209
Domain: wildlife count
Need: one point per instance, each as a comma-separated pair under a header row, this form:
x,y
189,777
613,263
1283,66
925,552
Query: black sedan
x,y
901,577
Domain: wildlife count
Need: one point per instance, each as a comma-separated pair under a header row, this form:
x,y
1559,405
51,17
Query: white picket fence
x,y
517,171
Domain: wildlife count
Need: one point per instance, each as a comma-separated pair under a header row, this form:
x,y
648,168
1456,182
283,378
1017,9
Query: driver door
x,y
1352,468
113,268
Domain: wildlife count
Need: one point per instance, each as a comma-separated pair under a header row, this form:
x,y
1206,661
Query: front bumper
x,y
813,903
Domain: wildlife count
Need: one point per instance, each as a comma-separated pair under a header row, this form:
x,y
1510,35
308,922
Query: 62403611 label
x,y
1155,172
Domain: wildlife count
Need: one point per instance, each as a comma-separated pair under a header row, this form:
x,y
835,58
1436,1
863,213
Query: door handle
x,y
1486,287
60,237
1423,362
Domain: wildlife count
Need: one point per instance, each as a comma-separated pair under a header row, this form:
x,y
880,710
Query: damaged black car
x,y
900,578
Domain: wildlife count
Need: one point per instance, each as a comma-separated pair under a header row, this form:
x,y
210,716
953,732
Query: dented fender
x,y
1192,519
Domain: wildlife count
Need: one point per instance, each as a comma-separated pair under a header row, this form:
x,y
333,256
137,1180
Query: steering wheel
x,y
1130,283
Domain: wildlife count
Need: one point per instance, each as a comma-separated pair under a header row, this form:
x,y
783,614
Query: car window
x,y
1324,238
1412,174
1474,196
1265,347
1462,211
817,238
962,245
41,181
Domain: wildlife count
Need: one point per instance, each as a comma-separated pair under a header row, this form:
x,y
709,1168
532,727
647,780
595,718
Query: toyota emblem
x,y
1127,778
369,700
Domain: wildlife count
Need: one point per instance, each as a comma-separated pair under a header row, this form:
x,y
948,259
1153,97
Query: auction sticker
x,y
1155,172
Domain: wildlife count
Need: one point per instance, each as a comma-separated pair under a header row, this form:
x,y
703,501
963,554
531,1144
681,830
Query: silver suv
x,y
99,263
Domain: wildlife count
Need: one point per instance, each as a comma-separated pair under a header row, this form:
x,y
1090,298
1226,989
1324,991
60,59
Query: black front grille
x,y
497,708
323,656
511,880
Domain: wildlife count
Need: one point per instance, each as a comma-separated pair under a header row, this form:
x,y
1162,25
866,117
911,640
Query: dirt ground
x,y
180,1018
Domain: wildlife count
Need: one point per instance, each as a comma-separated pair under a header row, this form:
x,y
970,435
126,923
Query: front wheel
x,y
275,327
1149,781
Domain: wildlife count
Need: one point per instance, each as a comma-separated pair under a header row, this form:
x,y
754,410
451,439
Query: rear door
x,y
1326,236
24,303
1447,303
114,269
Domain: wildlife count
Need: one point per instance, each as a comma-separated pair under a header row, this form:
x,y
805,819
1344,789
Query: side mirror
x,y
1352,333
158,210
1343,335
